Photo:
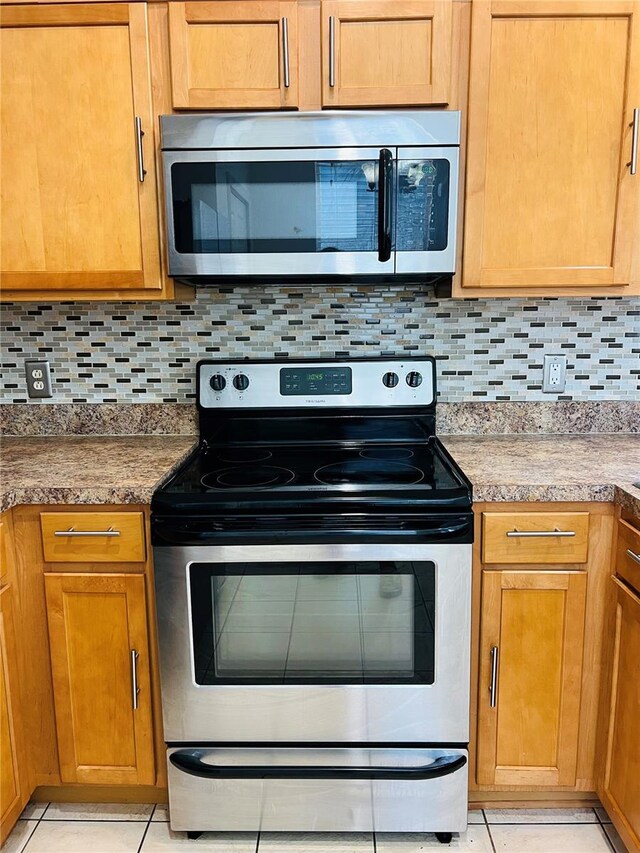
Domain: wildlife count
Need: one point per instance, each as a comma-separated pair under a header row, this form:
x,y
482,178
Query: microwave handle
x,y
385,199
190,761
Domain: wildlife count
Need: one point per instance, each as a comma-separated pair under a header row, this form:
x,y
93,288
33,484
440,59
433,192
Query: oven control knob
x,y
241,382
414,379
218,382
390,380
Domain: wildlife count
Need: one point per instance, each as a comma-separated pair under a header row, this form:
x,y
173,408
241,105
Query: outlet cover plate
x,y
554,375
38,377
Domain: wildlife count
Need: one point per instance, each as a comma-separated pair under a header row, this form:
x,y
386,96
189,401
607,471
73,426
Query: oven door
x,y
316,643
279,212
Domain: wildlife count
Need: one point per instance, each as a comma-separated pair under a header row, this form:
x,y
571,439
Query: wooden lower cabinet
x,y
620,787
13,793
99,651
532,635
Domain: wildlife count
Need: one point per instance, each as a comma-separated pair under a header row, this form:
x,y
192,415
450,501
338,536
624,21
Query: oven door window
x,y
324,623
294,206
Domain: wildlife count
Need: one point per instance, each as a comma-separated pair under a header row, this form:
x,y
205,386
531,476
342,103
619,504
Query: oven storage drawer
x,y
330,789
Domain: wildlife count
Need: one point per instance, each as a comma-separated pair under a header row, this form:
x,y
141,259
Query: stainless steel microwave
x,y
311,196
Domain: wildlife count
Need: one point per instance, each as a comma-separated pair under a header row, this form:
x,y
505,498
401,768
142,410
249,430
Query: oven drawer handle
x,y
190,761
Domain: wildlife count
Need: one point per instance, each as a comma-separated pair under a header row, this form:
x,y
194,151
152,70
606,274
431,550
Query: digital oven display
x,y
317,381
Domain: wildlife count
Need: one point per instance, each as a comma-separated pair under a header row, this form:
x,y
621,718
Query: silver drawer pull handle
x,y
285,51
135,690
72,532
332,51
555,532
633,555
493,686
635,133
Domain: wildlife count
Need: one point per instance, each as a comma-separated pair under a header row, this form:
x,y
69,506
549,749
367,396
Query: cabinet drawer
x,y
535,537
628,554
99,537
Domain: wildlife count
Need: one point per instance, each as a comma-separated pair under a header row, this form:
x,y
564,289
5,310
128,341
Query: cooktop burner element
x,y
387,453
253,478
244,454
367,471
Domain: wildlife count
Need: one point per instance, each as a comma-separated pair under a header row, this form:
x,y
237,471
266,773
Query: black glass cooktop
x,y
316,468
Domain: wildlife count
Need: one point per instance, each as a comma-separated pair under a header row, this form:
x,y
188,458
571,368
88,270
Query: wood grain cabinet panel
x,y
386,52
535,537
75,213
531,650
550,200
628,554
621,785
13,795
234,55
97,624
104,537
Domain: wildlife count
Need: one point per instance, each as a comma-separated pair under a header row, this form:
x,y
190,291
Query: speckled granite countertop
x,y
127,469
87,469
550,467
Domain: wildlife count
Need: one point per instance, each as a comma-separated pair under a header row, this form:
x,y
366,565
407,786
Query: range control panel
x,y
354,384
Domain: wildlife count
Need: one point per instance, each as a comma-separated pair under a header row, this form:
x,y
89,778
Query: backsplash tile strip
x,y
487,350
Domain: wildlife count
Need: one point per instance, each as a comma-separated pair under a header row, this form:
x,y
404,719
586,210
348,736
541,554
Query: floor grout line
x,y
486,823
144,835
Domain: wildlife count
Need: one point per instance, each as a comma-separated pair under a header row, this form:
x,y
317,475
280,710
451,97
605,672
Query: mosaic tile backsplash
x,y
487,350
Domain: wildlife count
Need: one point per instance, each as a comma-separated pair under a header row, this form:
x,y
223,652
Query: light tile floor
x,y
111,828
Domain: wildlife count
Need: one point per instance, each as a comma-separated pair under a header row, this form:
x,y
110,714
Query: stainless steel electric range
x,y
313,579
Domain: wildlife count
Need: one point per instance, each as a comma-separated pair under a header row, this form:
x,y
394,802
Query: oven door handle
x,y
190,761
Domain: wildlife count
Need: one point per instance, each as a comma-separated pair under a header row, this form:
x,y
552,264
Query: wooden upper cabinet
x,y
386,52
99,652
76,212
551,201
13,793
531,650
620,791
234,55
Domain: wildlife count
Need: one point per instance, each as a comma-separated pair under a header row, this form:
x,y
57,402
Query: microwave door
x,y
280,212
426,209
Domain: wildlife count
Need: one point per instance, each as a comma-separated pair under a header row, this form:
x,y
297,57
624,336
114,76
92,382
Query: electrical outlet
x,y
554,376
38,378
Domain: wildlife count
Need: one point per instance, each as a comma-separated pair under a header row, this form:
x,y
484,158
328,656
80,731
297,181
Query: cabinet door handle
x,y
635,133
493,686
72,532
633,555
135,690
332,51
139,134
556,532
285,51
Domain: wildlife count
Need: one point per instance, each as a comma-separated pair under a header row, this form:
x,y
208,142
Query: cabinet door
x,y
12,794
234,55
622,770
386,53
99,653
78,212
531,649
551,201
